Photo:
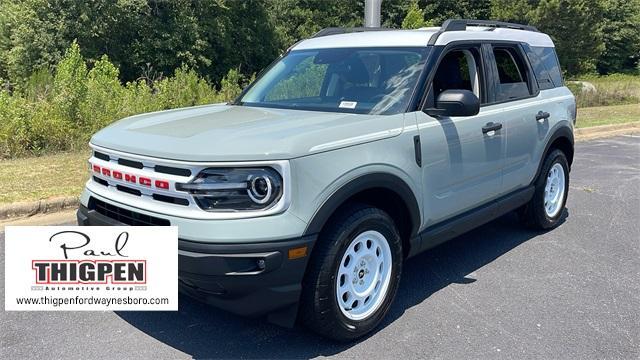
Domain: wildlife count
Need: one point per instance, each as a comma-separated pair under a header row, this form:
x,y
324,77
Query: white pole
x,y
372,13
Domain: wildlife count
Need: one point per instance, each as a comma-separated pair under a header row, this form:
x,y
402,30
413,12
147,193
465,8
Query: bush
x,y
59,111
104,93
184,89
30,128
616,89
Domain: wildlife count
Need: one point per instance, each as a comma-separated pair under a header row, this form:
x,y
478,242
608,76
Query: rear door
x,y
524,114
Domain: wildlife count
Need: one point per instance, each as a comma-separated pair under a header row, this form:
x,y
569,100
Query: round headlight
x,y
260,189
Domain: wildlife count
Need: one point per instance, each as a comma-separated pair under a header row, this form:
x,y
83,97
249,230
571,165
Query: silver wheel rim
x,y
554,190
364,275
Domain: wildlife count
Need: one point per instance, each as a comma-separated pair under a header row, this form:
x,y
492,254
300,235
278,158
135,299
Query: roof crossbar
x,y
461,25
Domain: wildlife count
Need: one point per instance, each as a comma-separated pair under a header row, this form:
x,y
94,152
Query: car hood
x,y
241,133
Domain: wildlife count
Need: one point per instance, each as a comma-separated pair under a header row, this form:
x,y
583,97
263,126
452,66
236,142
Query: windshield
x,y
357,80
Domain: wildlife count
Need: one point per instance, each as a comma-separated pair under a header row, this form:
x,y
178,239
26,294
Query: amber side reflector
x,y
297,253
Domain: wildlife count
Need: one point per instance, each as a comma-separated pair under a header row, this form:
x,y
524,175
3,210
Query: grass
x,y
615,89
35,178
607,115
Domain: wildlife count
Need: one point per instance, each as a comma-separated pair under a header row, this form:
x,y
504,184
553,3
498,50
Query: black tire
x,y
533,215
319,308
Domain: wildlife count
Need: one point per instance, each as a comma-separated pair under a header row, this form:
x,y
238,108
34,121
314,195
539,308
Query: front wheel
x,y
353,274
544,211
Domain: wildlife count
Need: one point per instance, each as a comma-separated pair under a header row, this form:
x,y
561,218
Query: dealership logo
x,y
92,268
98,266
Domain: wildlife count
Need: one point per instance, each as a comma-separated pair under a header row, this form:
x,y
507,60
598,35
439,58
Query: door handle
x,y
542,115
491,127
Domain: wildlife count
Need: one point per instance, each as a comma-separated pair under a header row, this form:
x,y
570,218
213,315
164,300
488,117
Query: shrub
x,y
30,128
39,86
184,89
101,104
70,84
230,85
60,111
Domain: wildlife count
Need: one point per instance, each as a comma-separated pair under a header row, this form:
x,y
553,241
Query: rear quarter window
x,y
544,62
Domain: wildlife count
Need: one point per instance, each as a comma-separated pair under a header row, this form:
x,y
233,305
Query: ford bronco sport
x,y
357,149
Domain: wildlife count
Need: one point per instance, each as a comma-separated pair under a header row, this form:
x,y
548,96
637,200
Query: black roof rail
x,y
339,30
461,25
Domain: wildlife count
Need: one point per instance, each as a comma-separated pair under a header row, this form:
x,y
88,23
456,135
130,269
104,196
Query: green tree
x,y
394,12
518,11
35,33
436,12
621,36
295,20
414,18
575,26
210,36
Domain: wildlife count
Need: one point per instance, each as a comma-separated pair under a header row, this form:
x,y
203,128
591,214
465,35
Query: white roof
x,y
485,33
391,38
420,37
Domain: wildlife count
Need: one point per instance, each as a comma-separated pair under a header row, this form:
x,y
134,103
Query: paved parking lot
x,y
499,291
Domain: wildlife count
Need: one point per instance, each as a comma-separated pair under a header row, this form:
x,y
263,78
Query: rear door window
x,y
513,75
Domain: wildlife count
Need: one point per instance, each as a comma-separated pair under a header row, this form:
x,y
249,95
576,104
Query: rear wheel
x,y
353,274
544,211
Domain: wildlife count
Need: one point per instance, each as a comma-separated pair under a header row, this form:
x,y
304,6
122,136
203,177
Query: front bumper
x,y
251,279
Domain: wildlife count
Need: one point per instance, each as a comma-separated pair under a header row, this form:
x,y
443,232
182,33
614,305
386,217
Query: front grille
x,y
125,216
100,181
130,163
172,170
129,181
129,190
101,156
171,199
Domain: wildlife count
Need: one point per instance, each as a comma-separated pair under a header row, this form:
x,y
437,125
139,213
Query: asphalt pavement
x,y
499,291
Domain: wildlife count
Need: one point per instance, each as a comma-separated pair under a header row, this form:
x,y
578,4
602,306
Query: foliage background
x,y
70,67
213,36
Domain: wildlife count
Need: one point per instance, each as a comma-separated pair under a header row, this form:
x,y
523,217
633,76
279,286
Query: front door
x,y
462,157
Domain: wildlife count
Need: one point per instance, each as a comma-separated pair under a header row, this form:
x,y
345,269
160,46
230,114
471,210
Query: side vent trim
x,y
417,147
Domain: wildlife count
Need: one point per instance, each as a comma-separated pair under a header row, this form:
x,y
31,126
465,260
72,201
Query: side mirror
x,y
455,103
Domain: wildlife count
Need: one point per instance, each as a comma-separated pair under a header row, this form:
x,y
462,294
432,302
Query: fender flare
x,y
366,182
362,183
560,132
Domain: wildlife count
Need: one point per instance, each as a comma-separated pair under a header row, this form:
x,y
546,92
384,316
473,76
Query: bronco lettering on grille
x,y
159,184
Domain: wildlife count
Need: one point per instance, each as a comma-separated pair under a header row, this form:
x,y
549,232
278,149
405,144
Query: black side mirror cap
x,y
456,102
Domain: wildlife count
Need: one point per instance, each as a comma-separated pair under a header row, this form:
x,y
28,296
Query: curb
x,y
22,209
26,209
597,132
